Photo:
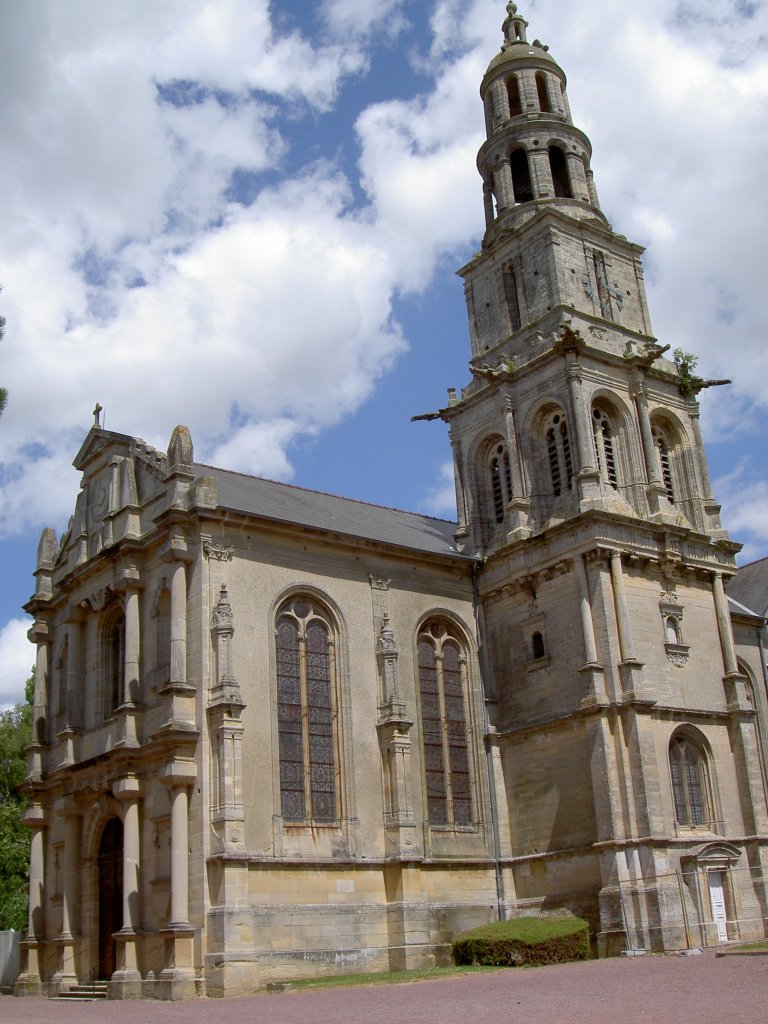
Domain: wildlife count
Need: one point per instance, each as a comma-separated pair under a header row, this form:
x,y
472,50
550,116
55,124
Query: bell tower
x,y
583,492
573,405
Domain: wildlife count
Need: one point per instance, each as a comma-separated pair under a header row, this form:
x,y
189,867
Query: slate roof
x,y
288,504
750,586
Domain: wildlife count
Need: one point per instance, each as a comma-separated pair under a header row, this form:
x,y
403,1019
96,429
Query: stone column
x,y
71,901
34,818
577,176
131,855
724,625
592,670
39,635
28,982
698,444
519,506
490,210
585,608
709,509
500,96
461,496
179,623
502,184
622,609
656,492
515,466
646,434
130,584
179,857
630,668
541,173
66,975
177,978
179,694
592,188
126,981
583,437
132,648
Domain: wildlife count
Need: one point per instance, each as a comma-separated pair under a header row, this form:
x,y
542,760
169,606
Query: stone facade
x,y
279,733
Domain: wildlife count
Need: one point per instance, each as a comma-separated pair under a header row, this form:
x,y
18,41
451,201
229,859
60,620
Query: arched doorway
x,y
110,895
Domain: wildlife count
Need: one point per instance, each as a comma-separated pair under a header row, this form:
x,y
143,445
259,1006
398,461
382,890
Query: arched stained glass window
x,y
306,713
690,783
444,726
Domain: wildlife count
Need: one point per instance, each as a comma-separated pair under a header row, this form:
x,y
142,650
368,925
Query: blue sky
x,y
247,217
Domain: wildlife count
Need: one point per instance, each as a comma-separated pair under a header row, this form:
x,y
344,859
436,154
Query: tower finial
x,y
514,27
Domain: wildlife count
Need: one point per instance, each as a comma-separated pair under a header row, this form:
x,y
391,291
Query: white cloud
x,y
440,500
358,18
259,326
17,656
744,496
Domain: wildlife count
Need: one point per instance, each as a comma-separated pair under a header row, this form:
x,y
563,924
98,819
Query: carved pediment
x,y
97,442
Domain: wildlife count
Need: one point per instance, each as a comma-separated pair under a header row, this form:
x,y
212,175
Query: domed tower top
x,y
533,152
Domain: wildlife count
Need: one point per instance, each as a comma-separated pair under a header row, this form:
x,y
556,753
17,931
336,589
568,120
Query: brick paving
x,y
664,990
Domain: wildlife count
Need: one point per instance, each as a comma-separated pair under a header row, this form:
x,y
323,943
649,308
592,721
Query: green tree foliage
x,y
3,392
15,736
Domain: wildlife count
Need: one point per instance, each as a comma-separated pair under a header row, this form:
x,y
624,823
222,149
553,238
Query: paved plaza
x,y
658,989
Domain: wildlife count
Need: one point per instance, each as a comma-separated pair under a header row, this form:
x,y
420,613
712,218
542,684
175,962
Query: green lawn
x,y
386,977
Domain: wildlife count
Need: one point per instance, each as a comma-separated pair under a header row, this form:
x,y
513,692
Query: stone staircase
x,y
84,993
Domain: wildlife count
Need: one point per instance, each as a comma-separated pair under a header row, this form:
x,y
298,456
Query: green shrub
x,y
524,941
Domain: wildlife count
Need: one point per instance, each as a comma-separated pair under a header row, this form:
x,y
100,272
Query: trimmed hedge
x,y
524,941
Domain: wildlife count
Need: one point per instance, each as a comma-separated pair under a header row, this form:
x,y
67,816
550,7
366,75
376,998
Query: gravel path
x,y
658,989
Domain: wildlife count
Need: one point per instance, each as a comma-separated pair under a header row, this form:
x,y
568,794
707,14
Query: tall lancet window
x,y
501,481
604,446
661,445
306,713
521,176
690,782
445,725
559,453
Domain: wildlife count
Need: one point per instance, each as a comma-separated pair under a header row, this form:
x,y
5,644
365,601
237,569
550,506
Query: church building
x,y
279,733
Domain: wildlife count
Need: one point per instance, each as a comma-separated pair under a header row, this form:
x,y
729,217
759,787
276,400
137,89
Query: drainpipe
x,y
488,751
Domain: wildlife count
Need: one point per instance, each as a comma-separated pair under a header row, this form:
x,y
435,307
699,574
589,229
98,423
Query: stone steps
x,y
84,993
